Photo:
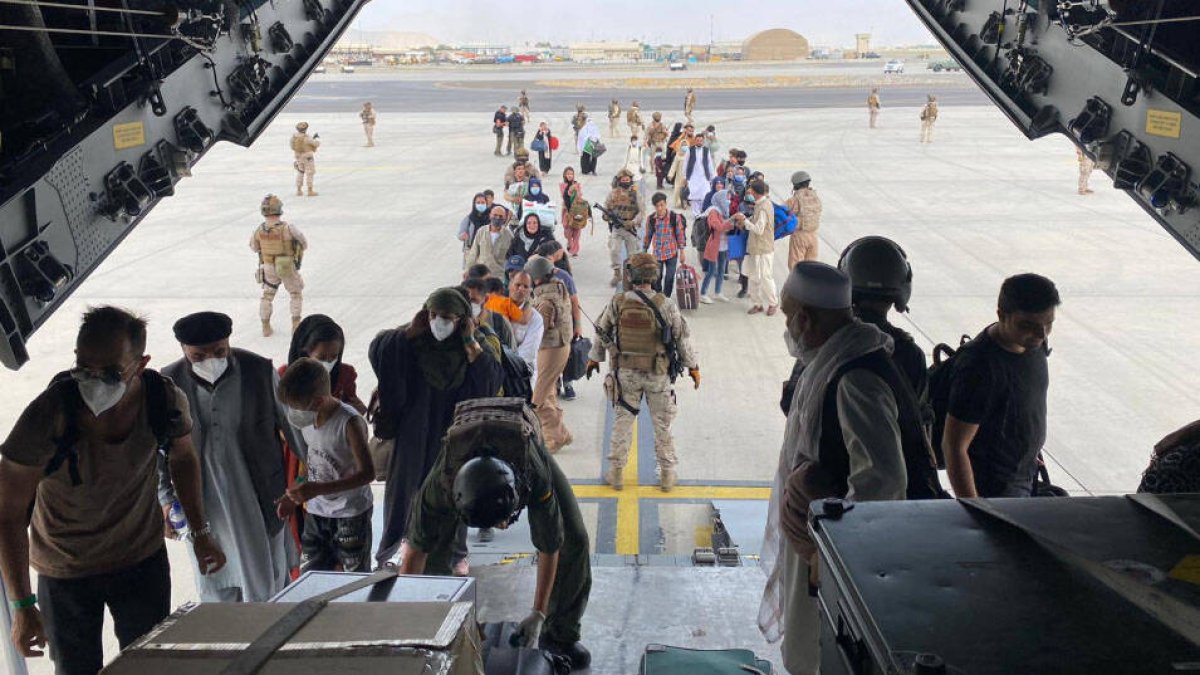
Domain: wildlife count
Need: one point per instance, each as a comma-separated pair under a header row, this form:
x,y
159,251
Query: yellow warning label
x,y
129,135
1163,123
1187,570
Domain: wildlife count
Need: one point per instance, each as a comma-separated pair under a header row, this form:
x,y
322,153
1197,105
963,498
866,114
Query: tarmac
x,y
977,205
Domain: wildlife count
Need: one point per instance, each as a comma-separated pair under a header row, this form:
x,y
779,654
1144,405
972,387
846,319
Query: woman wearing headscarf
x,y
544,150
589,136
716,249
716,186
475,220
572,194
425,368
529,237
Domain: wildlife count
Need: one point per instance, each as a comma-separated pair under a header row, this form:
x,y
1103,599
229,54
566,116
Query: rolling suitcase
x,y
666,660
501,658
687,287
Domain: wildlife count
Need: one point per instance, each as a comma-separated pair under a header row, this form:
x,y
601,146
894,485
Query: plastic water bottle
x,y
178,520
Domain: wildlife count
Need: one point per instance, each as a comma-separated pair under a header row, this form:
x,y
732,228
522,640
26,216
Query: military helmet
x,y
485,492
643,268
272,206
302,126
801,177
878,269
539,267
931,98
657,116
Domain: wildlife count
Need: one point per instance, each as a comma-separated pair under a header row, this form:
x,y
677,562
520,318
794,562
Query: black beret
x,y
203,328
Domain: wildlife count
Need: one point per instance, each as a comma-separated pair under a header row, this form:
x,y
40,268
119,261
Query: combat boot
x,y
615,477
575,653
266,326
667,480
312,192
295,323
299,192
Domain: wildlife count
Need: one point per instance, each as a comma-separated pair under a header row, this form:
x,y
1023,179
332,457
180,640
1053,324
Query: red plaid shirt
x,y
666,238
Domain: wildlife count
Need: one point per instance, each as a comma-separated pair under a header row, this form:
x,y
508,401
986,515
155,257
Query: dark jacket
x,y
258,429
521,248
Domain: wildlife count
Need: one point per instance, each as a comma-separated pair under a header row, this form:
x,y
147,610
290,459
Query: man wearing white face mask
x,y
238,421
853,431
77,498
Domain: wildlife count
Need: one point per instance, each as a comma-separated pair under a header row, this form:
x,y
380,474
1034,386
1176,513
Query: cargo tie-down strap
x,y
1179,616
259,652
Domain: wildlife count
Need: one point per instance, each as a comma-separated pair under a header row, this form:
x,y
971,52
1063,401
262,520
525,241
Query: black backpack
x,y
157,414
940,381
700,233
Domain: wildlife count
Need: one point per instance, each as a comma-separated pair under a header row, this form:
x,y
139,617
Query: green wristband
x,y
29,601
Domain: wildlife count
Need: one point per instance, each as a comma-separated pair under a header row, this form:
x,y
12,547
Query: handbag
x,y
576,367
598,148
538,145
737,244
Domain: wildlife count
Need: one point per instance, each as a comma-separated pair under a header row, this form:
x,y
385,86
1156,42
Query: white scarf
x,y
801,439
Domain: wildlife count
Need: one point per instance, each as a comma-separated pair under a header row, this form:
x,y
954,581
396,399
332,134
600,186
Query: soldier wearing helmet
x,y
648,339
304,147
689,105
928,116
633,117
614,116
280,248
805,203
657,134
622,210
881,278
873,106
494,465
552,300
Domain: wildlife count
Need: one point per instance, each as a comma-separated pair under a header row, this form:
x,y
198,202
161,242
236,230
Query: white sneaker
x,y
723,298
704,299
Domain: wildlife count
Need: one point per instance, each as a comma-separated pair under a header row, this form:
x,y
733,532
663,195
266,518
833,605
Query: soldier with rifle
x,y
648,340
280,248
622,210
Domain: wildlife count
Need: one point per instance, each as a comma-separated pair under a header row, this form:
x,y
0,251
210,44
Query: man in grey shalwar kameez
x,y
237,425
823,333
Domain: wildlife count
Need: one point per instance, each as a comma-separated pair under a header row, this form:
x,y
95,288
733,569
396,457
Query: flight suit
x,y
555,524
368,120
928,116
873,106
1086,166
279,246
804,243
305,148
614,116
639,369
624,204
689,106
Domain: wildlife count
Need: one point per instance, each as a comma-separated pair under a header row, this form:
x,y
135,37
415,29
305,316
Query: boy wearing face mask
x,y
336,494
236,430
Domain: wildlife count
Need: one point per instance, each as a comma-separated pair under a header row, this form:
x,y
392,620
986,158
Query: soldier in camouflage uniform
x,y
305,150
280,248
657,134
367,115
928,116
630,332
873,106
1086,166
805,203
523,105
633,117
689,105
614,116
578,121
624,203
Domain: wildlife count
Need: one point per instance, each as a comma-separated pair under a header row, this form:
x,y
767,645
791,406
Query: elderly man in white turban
x,y
861,457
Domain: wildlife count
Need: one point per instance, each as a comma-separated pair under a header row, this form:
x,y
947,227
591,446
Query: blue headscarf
x,y
720,202
541,197
713,189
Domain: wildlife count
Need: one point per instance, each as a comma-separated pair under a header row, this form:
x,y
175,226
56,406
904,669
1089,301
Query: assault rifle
x,y
612,218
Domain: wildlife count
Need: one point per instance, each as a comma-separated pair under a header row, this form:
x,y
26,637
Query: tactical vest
x,y
274,241
504,428
298,144
929,113
657,133
554,303
624,206
873,101
919,462
639,340
632,116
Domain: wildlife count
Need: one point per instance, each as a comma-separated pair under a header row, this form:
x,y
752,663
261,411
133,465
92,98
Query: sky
x,y
823,22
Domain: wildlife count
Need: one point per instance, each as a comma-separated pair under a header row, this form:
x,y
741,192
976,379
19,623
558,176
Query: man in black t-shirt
x,y
516,132
996,421
499,121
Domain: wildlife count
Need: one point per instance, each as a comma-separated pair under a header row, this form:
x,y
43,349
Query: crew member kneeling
x,y
493,464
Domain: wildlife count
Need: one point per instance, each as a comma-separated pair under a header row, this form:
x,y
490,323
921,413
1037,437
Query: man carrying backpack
x,y
853,431
649,342
666,240
77,498
996,415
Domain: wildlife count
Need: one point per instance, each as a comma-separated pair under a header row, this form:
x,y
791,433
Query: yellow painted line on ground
x,y
628,518
681,492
